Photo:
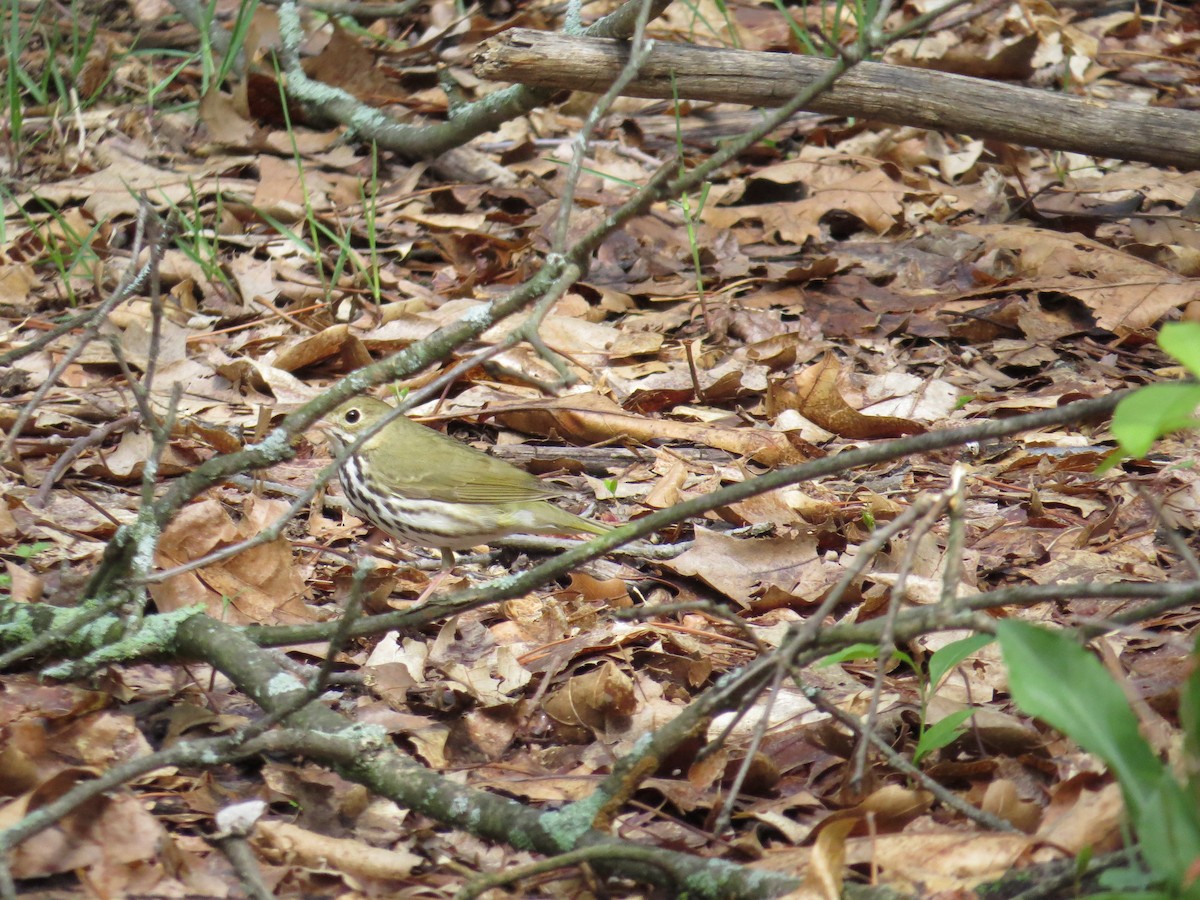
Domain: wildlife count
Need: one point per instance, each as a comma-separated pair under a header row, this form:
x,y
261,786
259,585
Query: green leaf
x,y
1189,718
945,659
1168,832
1182,341
1124,879
1053,678
945,731
1056,680
847,654
25,551
1155,410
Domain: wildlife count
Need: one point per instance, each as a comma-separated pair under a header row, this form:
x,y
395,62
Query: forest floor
x,y
842,284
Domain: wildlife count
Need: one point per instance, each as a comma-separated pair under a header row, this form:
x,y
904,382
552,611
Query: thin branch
x,y
903,766
93,438
955,536
760,730
129,283
241,857
518,584
1174,538
639,49
358,11
429,140
191,753
887,641
602,853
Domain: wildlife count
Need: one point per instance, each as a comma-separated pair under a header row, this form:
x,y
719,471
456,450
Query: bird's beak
x,y
333,440
326,432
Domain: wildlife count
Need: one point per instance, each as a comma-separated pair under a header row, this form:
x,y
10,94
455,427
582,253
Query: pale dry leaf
x,y
945,860
289,844
742,568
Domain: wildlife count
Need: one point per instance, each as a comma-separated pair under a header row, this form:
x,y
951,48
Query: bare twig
x,y
358,10
241,857
956,533
887,642
484,883
760,730
903,766
190,753
134,277
1174,538
518,584
92,439
638,50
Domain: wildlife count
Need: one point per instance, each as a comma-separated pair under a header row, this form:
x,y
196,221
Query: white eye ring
x,y
352,416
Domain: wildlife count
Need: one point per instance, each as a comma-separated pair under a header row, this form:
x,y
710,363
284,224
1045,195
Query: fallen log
x,y
878,91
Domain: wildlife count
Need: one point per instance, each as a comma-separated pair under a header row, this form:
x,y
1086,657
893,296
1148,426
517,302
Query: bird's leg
x,y
436,580
372,543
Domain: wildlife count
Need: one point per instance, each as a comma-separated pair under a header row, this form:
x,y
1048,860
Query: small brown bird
x,y
427,488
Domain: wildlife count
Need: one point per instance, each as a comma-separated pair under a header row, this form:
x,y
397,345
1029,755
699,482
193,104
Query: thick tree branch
x,y
368,758
427,141
887,93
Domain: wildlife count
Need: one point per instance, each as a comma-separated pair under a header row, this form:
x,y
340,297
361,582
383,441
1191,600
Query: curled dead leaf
x,y
815,395
591,418
824,876
282,842
888,808
260,585
334,341
600,700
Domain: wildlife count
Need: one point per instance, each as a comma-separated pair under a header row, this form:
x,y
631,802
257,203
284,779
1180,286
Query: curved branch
x,y
430,140
515,585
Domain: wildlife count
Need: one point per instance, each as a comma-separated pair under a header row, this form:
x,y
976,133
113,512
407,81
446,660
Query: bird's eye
x,y
352,416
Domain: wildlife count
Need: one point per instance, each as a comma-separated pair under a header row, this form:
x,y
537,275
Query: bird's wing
x,y
424,473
